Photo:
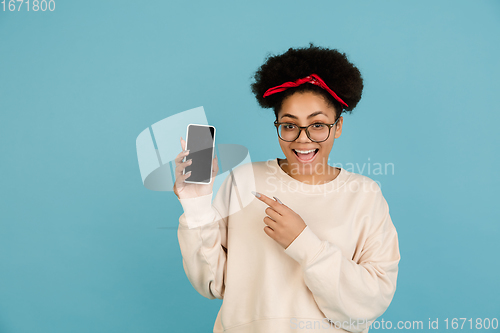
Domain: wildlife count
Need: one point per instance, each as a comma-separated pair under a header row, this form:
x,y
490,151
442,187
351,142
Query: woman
x,y
323,253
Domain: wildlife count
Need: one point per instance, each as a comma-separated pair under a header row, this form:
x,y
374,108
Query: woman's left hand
x,y
283,224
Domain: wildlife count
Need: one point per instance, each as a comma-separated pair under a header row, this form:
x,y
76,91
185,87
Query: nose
x,y
303,136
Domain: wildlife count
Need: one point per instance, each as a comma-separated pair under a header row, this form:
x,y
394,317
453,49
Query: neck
x,y
321,174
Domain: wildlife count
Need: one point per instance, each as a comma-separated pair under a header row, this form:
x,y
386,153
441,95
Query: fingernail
x,y
256,194
278,200
188,173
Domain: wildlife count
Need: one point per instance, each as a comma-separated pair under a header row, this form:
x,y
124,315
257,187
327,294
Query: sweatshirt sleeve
x,y
347,290
202,235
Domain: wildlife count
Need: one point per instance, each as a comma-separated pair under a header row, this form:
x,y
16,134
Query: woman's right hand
x,y
185,190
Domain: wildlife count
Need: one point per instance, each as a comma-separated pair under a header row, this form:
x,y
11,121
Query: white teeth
x,y
305,151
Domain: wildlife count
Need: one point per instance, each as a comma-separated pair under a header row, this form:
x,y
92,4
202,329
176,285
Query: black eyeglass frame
x,y
306,128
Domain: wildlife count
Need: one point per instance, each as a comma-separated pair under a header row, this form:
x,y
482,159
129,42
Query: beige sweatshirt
x,y
339,274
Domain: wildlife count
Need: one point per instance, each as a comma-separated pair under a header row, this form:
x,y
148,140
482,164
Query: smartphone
x,y
200,141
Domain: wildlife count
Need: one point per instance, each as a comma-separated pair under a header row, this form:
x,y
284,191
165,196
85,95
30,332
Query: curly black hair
x,y
333,67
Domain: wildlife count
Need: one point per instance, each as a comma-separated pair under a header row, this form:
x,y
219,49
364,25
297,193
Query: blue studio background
x,y
85,247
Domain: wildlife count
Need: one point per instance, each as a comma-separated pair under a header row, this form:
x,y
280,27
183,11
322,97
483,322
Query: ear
x,y
338,127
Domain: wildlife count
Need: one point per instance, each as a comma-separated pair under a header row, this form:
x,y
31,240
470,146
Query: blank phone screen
x,y
200,143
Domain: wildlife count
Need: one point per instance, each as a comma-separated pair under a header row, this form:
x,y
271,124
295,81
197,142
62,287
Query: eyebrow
x,y
309,116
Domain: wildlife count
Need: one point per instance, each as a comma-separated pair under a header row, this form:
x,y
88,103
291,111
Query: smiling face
x,y
303,109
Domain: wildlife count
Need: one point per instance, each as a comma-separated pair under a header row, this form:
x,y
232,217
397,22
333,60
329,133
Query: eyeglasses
x,y
316,132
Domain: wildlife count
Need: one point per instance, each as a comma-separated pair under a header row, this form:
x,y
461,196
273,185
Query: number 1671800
x,y
21,5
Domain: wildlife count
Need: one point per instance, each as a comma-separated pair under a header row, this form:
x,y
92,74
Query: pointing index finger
x,y
270,202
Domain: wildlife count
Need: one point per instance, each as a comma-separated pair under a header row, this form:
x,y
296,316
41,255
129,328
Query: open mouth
x,y
305,155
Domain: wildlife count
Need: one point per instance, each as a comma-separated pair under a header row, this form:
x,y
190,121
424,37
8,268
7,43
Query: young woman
x,y
315,249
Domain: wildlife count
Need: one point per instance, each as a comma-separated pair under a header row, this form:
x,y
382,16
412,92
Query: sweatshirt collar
x,y
298,186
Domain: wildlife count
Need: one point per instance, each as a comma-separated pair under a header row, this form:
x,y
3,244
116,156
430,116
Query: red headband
x,y
313,78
